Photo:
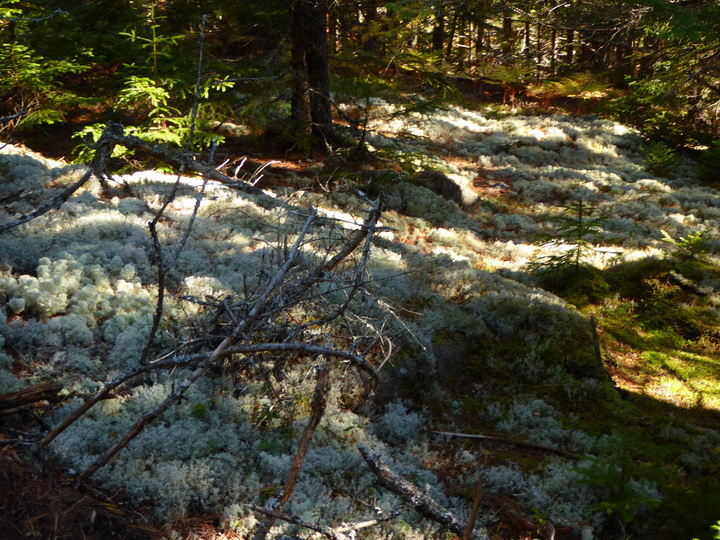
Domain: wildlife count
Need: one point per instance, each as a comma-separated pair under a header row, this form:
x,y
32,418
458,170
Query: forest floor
x,y
655,332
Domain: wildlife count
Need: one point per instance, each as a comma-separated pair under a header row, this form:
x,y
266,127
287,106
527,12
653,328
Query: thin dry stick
x,y
177,159
194,359
369,523
525,444
317,408
163,269
475,509
165,363
366,229
275,515
354,359
57,201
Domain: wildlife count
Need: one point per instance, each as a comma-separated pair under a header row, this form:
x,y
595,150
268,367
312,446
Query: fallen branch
x,y
175,362
504,440
229,347
173,157
5,119
422,502
336,533
318,409
11,401
57,201
369,523
275,514
212,360
475,509
356,360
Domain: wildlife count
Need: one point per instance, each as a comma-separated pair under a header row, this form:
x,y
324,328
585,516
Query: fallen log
x,y
10,402
422,502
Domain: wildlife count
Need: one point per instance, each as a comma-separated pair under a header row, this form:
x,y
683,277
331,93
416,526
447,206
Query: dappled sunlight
x,y
452,309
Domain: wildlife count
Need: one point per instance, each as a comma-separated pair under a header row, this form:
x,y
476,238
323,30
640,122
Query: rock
x,y
446,187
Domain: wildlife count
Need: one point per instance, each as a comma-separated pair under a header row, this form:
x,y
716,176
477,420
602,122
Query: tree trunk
x,y
300,99
570,38
311,105
507,31
438,34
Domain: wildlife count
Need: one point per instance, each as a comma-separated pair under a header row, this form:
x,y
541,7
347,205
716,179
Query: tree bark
x,y
311,107
422,502
13,401
438,34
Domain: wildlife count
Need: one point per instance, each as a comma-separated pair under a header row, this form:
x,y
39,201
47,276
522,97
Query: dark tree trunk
x,y
507,34
311,108
300,100
569,40
438,34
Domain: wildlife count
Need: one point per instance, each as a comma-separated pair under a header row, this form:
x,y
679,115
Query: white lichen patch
x,y
79,286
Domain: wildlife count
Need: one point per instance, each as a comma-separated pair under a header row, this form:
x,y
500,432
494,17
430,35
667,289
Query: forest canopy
x,y
651,63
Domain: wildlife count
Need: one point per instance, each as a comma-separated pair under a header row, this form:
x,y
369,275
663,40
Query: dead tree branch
x,y
422,502
318,409
10,118
211,361
275,514
513,442
173,157
13,401
56,202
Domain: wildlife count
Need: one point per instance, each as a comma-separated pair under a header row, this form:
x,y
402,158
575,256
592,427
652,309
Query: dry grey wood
x,y
211,361
475,509
56,202
275,514
27,396
422,502
172,157
505,440
317,408
201,358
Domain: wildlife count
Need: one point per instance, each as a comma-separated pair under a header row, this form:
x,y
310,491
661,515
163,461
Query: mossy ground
x,y
659,335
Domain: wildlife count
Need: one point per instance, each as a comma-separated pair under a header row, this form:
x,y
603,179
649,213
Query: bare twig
x,y
177,159
166,363
275,514
57,201
356,360
317,410
422,502
504,440
227,348
366,229
475,509
204,366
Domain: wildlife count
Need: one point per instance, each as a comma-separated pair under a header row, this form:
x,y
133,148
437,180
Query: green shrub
x,y
710,163
660,159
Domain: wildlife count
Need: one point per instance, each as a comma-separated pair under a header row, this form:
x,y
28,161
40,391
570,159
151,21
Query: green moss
x,y
579,287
